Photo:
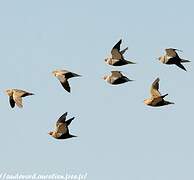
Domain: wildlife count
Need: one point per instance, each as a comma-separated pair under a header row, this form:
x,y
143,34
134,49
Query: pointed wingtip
x,y
130,62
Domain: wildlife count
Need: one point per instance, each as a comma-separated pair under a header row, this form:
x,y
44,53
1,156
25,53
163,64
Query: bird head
x,y
108,59
105,77
54,73
161,58
147,101
50,133
9,92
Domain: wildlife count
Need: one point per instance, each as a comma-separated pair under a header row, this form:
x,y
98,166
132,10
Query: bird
x,y
156,98
63,76
116,78
16,95
116,58
171,57
61,128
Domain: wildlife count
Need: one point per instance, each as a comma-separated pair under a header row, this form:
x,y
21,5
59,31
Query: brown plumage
x,y
156,98
171,57
116,78
61,128
116,58
16,95
63,76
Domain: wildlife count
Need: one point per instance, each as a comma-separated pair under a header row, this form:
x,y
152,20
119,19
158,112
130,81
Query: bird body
x,y
61,128
171,57
116,58
16,95
156,98
116,78
63,76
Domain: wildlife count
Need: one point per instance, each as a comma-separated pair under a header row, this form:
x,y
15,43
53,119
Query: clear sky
x,y
118,136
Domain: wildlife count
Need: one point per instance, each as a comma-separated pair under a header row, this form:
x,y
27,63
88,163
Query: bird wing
x,y
117,45
64,82
115,52
19,92
68,122
123,51
70,75
18,99
116,74
171,52
61,125
12,102
157,100
62,128
63,72
62,119
66,86
154,88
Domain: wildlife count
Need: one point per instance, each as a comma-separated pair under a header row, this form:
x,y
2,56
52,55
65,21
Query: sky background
x,y
118,136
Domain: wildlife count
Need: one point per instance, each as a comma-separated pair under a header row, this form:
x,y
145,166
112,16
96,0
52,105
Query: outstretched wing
x,y
21,93
68,122
64,82
117,45
123,51
12,102
18,100
62,128
171,52
115,52
154,90
115,77
116,74
61,125
62,119
66,86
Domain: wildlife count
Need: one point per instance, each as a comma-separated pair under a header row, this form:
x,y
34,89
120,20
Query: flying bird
x,y
16,95
156,98
61,128
171,57
116,78
63,76
116,58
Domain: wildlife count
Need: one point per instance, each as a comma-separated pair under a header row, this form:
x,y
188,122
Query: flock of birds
x,y
115,78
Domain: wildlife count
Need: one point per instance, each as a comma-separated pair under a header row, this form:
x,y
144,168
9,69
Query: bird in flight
x,y
156,98
116,58
16,95
116,78
61,128
171,57
63,76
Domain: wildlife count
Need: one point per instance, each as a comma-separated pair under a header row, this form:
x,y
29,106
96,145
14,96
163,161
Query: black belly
x,y
120,81
120,63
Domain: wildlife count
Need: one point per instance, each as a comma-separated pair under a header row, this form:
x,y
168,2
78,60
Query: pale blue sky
x,y
118,136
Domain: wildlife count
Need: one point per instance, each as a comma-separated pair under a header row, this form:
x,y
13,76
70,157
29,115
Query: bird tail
x,y
130,62
71,136
184,60
164,95
27,94
168,102
75,75
123,51
181,66
69,121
